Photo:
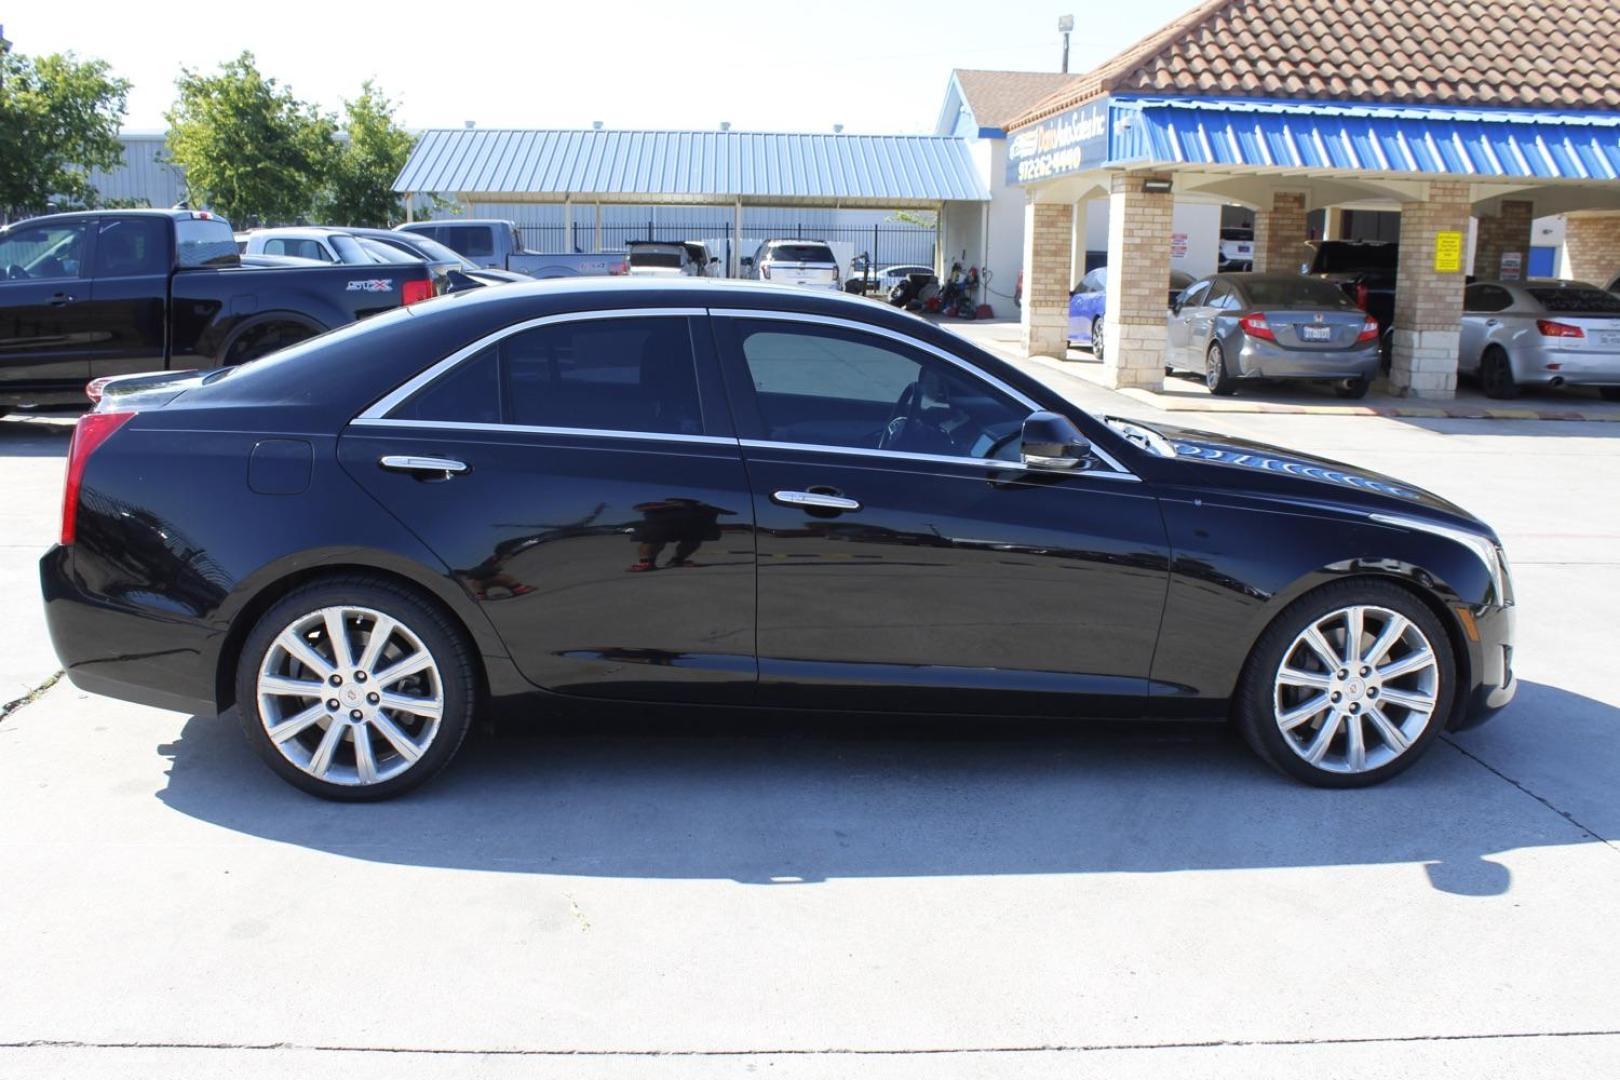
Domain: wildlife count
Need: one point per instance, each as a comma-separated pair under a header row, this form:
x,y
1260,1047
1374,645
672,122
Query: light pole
x,y
1065,24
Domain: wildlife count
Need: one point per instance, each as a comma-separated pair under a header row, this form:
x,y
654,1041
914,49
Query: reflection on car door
x,y
129,295
1179,324
42,282
903,566
595,508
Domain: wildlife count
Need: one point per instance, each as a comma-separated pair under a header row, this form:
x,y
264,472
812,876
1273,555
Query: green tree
x,y
360,186
59,118
251,150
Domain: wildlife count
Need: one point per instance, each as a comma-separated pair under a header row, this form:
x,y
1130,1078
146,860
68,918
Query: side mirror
x,y
713,259
1053,442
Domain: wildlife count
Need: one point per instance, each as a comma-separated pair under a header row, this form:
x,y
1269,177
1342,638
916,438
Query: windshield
x,y
810,253
349,250
1577,301
1294,291
429,248
380,252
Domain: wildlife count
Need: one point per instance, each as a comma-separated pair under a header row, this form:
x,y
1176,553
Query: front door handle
x,y
445,467
61,299
815,500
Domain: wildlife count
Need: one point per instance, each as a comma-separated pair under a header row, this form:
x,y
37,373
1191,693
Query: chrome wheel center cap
x,y
352,696
1355,688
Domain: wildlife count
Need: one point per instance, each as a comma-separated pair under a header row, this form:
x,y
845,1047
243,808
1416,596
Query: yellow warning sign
x,y
1448,252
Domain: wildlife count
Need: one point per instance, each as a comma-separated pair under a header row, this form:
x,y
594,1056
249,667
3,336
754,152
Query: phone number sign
x,y
1062,144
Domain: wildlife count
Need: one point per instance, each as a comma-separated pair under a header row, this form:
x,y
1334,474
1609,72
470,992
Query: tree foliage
x,y
359,187
251,150
59,118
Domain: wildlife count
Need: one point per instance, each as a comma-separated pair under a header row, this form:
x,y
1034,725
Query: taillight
x,y
91,431
1369,331
1255,326
1549,328
414,291
1362,294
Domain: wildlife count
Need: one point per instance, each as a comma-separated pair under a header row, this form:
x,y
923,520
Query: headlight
x,y
1488,551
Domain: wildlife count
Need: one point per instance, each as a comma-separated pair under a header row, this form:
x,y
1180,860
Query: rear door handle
x,y
61,299
448,467
815,500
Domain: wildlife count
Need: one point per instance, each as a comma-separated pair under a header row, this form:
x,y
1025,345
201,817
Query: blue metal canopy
x,y
1423,140
694,166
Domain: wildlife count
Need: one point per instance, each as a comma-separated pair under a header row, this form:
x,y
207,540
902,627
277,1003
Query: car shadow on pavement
x,y
784,800
34,437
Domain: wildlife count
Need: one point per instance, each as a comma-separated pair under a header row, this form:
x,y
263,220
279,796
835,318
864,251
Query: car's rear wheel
x,y
1097,339
1496,374
355,688
1349,686
1610,393
1216,377
1351,388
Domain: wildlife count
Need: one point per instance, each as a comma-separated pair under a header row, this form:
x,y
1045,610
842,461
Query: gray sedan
x,y
1540,333
1233,327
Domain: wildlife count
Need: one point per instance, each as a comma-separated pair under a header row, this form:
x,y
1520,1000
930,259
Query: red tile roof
x,y
1500,53
997,96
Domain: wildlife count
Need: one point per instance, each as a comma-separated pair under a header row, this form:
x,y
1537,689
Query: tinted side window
x,y
832,387
627,374
131,247
1194,297
471,240
43,252
1486,298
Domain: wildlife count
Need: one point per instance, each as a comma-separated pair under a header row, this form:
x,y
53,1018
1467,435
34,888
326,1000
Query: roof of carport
x,y
693,166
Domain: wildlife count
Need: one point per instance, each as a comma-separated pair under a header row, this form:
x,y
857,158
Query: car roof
x,y
143,211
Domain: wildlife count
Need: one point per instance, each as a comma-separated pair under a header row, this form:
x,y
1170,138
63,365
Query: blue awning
x,y
694,166
1335,136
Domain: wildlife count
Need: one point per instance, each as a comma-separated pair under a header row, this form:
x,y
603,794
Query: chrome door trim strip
x,y
531,429
992,464
380,409
895,335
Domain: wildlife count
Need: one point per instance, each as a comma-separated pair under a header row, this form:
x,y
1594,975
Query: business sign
x,y
1063,144
1512,268
1448,252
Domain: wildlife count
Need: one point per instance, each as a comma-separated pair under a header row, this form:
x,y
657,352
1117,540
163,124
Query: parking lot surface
x,y
697,897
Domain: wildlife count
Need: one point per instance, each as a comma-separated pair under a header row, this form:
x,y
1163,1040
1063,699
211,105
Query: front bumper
x,y
1492,682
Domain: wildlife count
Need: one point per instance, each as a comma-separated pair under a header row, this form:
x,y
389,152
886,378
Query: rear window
x,y
811,253
1577,301
1285,292
1340,258
655,258
1237,234
471,240
204,242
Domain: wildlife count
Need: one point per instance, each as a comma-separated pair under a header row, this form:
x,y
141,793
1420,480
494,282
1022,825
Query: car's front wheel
x,y
355,688
1097,339
1349,686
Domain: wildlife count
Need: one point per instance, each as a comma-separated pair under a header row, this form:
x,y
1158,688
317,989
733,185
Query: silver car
x,y
1540,333
1232,327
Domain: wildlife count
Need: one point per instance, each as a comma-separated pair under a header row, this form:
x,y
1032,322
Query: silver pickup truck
x,y
497,244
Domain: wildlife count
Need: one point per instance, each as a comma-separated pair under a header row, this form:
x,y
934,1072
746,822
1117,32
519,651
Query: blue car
x,y
1089,300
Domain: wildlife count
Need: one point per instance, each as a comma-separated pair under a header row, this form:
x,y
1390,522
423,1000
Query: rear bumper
x,y
1263,360
1492,682
1576,367
107,648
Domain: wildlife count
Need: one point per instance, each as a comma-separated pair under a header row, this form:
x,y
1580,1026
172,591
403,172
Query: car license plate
x,y
1245,249
1316,333
1610,338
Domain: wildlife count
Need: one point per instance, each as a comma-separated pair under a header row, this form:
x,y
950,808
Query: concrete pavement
x,y
818,900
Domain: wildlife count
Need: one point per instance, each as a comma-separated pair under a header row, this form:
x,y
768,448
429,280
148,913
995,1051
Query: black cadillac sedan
x,y
704,494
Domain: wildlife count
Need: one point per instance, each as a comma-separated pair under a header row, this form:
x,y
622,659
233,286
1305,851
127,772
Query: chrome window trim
x,y
934,350
380,409
991,464
532,429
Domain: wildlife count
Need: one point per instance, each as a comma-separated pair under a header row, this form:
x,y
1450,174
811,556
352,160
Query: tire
x,y
406,747
1353,389
1393,734
1216,377
1097,339
1609,393
1496,375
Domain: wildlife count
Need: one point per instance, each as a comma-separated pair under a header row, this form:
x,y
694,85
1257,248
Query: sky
x,y
768,65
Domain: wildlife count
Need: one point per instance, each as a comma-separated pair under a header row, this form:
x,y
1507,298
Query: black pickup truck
x,y
102,293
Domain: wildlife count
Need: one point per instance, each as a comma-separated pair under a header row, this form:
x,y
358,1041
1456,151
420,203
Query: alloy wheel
x,y
1355,689
350,695
1096,339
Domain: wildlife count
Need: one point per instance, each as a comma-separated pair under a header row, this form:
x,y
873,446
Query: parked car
x,y
348,570
883,281
112,292
1089,301
657,258
1540,333
1235,327
498,245
705,263
459,270
322,244
795,262
1365,270
1236,252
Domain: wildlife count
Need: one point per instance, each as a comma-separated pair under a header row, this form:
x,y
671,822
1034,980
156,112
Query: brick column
x,y
1138,283
1279,233
1428,302
1592,247
1508,231
1044,318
